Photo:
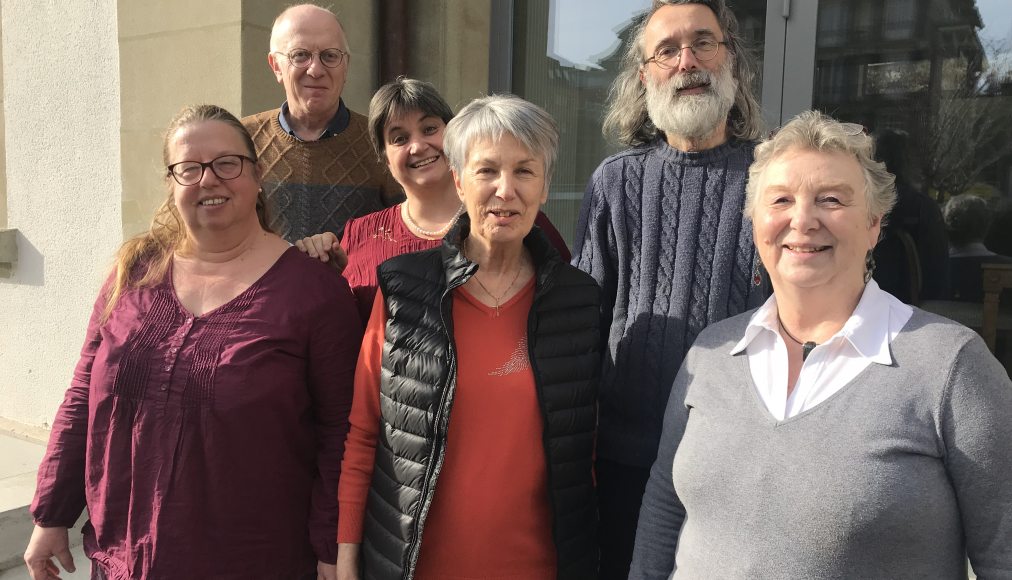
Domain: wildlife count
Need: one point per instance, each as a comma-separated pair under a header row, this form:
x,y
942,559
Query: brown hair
x,y
144,259
400,96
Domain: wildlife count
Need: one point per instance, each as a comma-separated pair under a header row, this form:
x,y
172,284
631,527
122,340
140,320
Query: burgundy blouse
x,y
209,446
372,239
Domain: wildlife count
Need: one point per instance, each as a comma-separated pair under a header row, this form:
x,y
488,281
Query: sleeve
x,y
662,513
360,456
554,236
976,421
595,250
335,339
59,493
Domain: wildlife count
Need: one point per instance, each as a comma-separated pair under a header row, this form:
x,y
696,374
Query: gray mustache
x,y
692,79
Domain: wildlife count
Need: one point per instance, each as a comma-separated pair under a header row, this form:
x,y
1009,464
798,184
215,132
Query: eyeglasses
x,y
224,168
302,58
667,57
849,129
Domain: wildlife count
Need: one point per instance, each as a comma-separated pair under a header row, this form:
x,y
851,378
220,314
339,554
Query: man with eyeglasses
x,y
319,167
661,229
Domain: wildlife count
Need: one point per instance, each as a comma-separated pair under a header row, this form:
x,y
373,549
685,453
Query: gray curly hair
x,y
816,131
627,120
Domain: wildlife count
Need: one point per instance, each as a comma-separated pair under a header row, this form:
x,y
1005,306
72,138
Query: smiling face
x,y
811,222
502,186
213,204
314,91
692,98
413,144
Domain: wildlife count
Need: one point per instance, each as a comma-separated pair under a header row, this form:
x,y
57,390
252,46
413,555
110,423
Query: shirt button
x,y
174,350
163,388
168,368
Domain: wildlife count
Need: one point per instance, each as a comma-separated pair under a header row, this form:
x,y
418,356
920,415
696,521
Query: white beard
x,y
691,117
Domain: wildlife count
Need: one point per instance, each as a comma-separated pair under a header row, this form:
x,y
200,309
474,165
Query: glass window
x,y
935,88
566,53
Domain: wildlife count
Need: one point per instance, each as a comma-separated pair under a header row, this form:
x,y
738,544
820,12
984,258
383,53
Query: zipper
x,y
531,340
435,454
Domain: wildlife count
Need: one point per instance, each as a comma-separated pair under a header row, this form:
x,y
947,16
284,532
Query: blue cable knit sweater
x,y
662,231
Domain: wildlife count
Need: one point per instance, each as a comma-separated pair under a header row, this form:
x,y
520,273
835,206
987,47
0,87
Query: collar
x,y
705,157
876,321
457,267
338,123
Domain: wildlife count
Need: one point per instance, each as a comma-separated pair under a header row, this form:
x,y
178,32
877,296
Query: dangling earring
x,y
869,266
757,271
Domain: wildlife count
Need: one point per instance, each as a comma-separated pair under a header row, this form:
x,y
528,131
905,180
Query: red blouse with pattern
x,y
209,446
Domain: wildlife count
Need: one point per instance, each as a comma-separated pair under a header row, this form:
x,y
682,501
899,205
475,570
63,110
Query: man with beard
x,y
662,231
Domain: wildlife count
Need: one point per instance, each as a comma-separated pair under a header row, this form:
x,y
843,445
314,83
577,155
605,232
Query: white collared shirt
x,y
863,340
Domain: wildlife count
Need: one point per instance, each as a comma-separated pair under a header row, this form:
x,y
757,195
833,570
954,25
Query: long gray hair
x,y
627,119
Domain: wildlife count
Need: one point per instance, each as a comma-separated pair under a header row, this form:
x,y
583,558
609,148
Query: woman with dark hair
x,y
407,118
472,433
204,426
967,220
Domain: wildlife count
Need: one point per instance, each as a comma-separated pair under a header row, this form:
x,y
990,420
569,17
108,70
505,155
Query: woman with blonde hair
x,y
205,422
834,432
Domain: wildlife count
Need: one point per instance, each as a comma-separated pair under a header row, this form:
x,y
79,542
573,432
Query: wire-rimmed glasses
x,y
667,56
302,57
224,168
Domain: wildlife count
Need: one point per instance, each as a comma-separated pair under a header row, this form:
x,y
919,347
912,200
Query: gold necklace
x,y
431,234
498,299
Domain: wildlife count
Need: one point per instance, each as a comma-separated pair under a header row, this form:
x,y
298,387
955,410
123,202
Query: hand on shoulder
x,y
324,247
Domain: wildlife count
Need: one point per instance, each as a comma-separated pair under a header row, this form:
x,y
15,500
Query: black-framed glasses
x,y
224,168
668,56
302,57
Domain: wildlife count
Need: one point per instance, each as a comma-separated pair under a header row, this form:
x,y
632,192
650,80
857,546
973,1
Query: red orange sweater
x,y
490,516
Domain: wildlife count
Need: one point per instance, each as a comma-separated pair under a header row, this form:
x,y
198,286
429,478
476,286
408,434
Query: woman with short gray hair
x,y
407,122
478,378
834,432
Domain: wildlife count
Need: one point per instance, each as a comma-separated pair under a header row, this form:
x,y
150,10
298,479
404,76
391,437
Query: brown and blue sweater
x,y
317,186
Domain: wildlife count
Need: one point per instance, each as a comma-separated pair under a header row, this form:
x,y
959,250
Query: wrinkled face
x,y
213,204
680,25
502,186
316,89
811,222
413,143
692,97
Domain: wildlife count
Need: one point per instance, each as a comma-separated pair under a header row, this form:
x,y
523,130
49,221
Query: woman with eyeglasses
x,y
205,422
834,432
407,118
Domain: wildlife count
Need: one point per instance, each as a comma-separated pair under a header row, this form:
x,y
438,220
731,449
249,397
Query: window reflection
x,y
932,79
566,53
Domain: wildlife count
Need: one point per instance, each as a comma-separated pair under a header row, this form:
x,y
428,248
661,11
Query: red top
x,y
372,239
209,446
490,515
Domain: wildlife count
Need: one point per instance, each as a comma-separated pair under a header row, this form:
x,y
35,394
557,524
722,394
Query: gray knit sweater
x,y
900,474
662,231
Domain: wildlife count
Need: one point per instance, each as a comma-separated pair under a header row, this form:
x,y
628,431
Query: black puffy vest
x,y
417,390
